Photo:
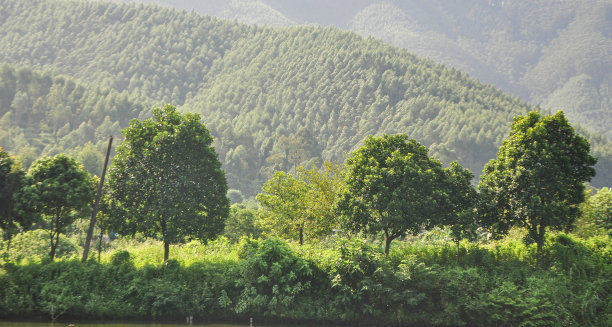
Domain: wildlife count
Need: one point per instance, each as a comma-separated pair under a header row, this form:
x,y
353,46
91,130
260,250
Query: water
x,y
78,324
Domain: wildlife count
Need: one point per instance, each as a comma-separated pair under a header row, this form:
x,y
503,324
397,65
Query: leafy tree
x,y
393,187
166,180
241,221
12,180
596,214
463,198
282,207
324,186
291,207
537,180
63,189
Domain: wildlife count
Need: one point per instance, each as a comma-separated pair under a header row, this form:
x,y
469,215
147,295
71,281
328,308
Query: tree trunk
x,y
55,234
388,239
166,251
54,242
100,246
301,235
8,247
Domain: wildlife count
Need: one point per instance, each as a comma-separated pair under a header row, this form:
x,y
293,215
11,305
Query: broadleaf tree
x,y
596,214
63,191
294,208
393,187
460,214
537,180
166,180
12,181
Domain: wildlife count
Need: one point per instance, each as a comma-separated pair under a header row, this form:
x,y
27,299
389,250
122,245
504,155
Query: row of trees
x,y
166,182
393,187
54,192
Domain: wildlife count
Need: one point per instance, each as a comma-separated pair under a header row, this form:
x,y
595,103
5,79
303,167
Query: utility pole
x,y
92,222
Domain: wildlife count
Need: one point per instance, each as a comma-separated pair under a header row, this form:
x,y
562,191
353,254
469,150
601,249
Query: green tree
x,y
282,207
324,185
393,187
291,207
241,221
12,180
461,215
166,180
63,189
537,180
596,214
92,159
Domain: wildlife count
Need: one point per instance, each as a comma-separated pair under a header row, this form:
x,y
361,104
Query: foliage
x,y
364,286
419,283
13,216
63,191
274,99
282,208
166,180
46,114
241,222
596,214
537,180
274,281
296,207
394,187
463,199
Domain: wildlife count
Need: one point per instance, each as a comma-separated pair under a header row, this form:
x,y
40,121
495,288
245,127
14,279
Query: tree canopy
x,y
394,187
62,190
12,181
538,179
296,207
166,180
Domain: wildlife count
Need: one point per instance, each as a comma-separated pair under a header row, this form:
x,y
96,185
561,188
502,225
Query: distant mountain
x,y
557,54
273,98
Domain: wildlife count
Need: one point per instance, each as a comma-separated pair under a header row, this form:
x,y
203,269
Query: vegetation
x,y
537,179
394,187
419,283
279,103
273,98
166,180
551,53
431,278
62,190
292,208
596,214
12,215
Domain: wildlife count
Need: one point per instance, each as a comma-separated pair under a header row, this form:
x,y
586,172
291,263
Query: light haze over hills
x,y
74,71
557,54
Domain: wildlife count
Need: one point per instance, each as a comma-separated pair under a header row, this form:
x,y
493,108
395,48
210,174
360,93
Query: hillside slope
x,y
557,54
273,98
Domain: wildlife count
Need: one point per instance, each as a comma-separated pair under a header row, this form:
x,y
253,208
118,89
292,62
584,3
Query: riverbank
x,y
352,282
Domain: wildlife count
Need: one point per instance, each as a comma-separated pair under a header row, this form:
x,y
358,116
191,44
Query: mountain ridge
x,y
273,98
515,45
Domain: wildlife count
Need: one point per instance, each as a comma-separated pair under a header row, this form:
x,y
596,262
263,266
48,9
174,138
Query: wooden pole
x,y
92,222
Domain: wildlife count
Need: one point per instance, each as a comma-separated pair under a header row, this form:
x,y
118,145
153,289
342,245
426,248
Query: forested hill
x,y
557,54
274,98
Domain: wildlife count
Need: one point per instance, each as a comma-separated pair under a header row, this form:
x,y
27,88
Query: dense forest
x,y
273,98
551,53
297,174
